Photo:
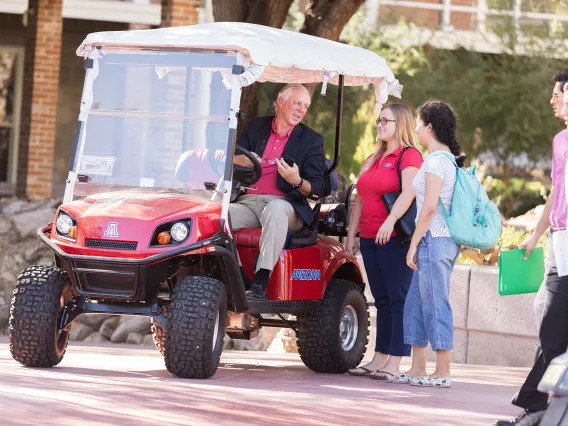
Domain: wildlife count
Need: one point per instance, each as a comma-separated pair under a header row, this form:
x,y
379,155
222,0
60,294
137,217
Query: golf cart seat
x,y
250,237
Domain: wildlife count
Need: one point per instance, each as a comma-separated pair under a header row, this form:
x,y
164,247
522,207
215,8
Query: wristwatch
x,y
298,185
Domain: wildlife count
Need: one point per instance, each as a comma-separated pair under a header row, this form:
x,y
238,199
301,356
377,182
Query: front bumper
x,y
138,280
118,278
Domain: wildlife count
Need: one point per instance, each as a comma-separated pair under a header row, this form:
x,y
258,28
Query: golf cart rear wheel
x,y
195,327
335,339
39,296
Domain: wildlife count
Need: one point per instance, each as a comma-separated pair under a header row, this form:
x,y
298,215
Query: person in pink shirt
x,y
564,111
278,201
553,329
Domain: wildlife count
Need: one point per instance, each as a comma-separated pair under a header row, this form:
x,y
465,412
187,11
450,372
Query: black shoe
x,y
513,422
246,280
256,292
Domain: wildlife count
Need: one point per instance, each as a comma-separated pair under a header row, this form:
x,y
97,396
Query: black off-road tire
x,y
319,341
159,332
35,340
191,351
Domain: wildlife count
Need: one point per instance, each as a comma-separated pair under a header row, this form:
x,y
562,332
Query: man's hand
x,y
290,174
529,244
241,160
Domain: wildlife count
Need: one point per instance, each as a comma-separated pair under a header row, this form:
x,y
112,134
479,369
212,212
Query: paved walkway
x,y
126,385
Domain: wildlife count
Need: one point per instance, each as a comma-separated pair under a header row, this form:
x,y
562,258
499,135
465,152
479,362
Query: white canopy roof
x,y
273,54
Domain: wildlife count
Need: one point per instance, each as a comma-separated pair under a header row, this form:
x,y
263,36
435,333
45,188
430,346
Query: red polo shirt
x,y
381,178
274,149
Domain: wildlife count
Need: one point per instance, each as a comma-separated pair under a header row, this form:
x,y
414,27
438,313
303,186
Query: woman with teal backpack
x,y
432,252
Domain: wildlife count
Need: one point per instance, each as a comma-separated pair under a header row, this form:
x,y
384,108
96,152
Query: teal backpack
x,y
474,220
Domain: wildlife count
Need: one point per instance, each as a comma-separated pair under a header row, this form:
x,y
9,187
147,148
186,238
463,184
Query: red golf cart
x,y
138,234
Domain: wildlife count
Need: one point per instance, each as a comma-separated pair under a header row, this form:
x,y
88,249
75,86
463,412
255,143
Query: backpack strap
x,y
446,154
398,167
453,159
444,212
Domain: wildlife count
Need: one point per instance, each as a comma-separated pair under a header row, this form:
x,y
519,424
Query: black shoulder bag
x,y
405,226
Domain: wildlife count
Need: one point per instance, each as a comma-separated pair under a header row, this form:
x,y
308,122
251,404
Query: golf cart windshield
x,y
153,119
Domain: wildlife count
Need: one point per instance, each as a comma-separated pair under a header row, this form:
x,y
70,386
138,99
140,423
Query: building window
x,y
11,61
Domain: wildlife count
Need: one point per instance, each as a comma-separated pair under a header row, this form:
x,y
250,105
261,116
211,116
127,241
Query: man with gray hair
x,y
278,201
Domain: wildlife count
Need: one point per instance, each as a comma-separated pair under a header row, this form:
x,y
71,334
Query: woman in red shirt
x,y
384,255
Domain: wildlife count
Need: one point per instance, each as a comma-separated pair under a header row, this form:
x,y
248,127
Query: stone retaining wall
x,y
19,246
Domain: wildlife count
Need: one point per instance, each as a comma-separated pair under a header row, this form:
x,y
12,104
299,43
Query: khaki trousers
x,y
275,215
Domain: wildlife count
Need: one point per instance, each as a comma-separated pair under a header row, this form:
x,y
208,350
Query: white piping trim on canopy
x,y
252,74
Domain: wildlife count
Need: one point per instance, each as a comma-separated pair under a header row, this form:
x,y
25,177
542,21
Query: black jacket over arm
x,y
304,146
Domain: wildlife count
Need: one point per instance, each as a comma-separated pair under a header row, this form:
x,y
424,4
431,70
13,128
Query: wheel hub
x,y
348,328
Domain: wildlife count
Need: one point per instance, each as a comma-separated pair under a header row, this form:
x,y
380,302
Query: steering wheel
x,y
246,176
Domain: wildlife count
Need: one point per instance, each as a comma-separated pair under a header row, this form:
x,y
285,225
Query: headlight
x,y
179,231
171,233
64,222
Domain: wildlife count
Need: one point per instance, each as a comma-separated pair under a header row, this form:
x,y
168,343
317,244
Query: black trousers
x,y
389,278
553,341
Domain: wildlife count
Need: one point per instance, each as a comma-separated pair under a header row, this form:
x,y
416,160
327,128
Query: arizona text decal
x,y
306,274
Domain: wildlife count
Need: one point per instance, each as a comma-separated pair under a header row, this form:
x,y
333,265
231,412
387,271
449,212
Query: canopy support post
x,y
338,121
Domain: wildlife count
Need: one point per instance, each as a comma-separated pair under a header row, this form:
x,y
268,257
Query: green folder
x,y
518,276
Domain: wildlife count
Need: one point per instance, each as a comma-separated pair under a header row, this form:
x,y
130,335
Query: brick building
x,y
41,79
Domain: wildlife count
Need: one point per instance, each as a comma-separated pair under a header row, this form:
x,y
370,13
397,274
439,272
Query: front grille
x,y
109,283
106,279
111,245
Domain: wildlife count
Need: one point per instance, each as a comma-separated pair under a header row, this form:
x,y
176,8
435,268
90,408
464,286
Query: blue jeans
x,y
389,279
427,312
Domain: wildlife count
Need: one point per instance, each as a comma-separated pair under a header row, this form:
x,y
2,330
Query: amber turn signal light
x,y
72,232
164,238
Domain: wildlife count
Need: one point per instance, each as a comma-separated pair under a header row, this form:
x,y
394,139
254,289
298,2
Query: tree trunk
x,y
271,13
230,11
327,18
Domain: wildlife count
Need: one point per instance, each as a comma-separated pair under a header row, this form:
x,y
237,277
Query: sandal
x,y
433,382
380,375
366,372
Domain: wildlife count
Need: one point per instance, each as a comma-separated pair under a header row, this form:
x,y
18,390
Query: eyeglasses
x,y
383,121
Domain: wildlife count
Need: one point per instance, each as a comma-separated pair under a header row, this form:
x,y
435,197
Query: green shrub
x,y
516,197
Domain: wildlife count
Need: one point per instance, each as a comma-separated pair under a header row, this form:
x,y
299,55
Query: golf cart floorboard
x,y
283,306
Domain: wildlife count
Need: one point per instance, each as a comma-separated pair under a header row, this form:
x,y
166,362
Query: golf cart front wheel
x,y
335,339
195,327
39,297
